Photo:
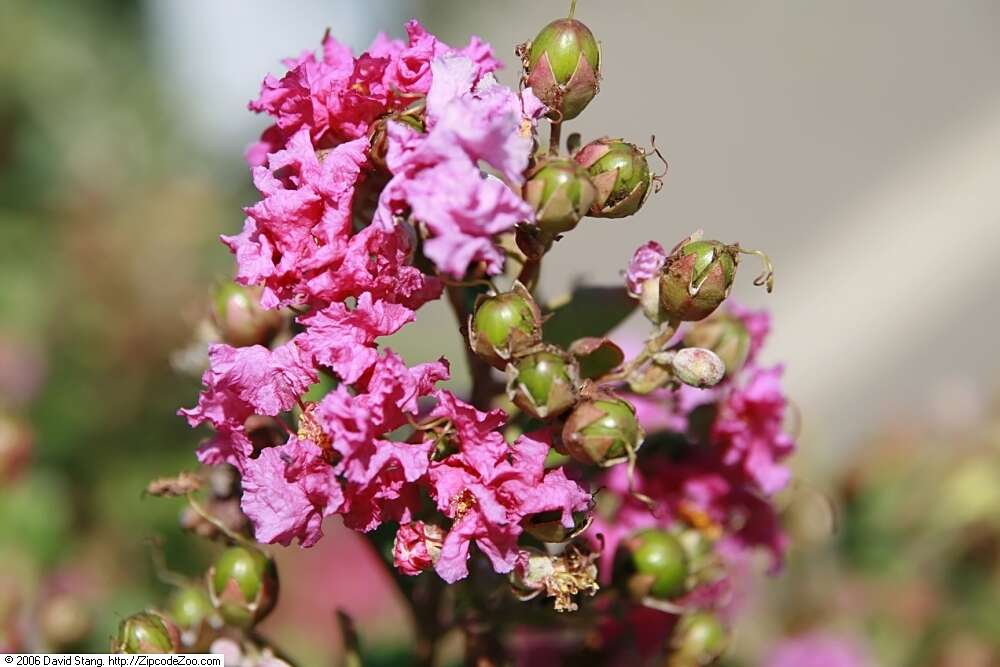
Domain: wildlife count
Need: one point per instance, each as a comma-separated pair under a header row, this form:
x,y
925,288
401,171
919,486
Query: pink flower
x,y
437,176
749,430
487,488
288,491
816,650
344,339
646,263
416,547
301,229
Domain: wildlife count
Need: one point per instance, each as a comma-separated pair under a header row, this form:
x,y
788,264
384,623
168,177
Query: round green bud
x,y
602,431
243,585
724,334
700,638
621,175
562,66
697,279
561,193
660,558
240,319
504,324
146,632
189,607
543,384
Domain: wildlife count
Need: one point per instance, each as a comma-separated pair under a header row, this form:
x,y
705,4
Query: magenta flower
x,y
416,547
750,430
646,263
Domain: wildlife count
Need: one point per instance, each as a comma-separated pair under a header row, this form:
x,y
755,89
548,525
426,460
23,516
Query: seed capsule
x,y
505,324
602,431
543,383
146,632
243,585
660,563
561,193
700,639
697,278
621,175
562,66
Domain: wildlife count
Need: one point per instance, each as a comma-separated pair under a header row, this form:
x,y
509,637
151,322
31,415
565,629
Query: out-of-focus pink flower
x,y
416,547
288,491
646,263
749,430
816,650
758,324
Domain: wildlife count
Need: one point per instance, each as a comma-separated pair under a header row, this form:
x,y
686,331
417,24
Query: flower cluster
x,y
393,176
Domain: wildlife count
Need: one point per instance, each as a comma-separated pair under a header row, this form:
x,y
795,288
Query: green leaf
x,y
588,312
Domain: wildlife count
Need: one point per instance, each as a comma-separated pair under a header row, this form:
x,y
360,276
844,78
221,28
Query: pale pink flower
x,y
646,263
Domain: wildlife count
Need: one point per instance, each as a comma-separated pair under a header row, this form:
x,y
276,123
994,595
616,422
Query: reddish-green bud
x,y
697,278
561,193
660,564
240,319
621,175
725,335
548,526
543,383
505,324
698,367
602,430
562,66
243,585
146,632
189,607
700,639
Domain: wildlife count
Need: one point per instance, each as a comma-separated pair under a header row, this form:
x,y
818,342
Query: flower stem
x,y
555,137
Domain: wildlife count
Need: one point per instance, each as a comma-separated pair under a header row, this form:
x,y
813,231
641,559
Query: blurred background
x,y
856,142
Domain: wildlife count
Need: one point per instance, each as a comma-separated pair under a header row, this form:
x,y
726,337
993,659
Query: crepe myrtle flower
x,y
406,173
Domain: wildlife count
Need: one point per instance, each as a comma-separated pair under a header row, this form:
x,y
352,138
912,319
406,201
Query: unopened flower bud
x,y
543,383
548,526
659,564
417,547
698,367
562,67
697,279
243,585
602,430
561,193
621,175
725,335
700,639
240,319
146,632
505,324
189,607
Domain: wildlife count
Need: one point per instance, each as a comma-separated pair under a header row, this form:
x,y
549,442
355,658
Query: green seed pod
x,y
660,564
697,278
725,335
700,639
243,585
602,430
146,632
543,383
548,526
189,607
504,324
240,319
620,172
562,66
697,367
561,193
